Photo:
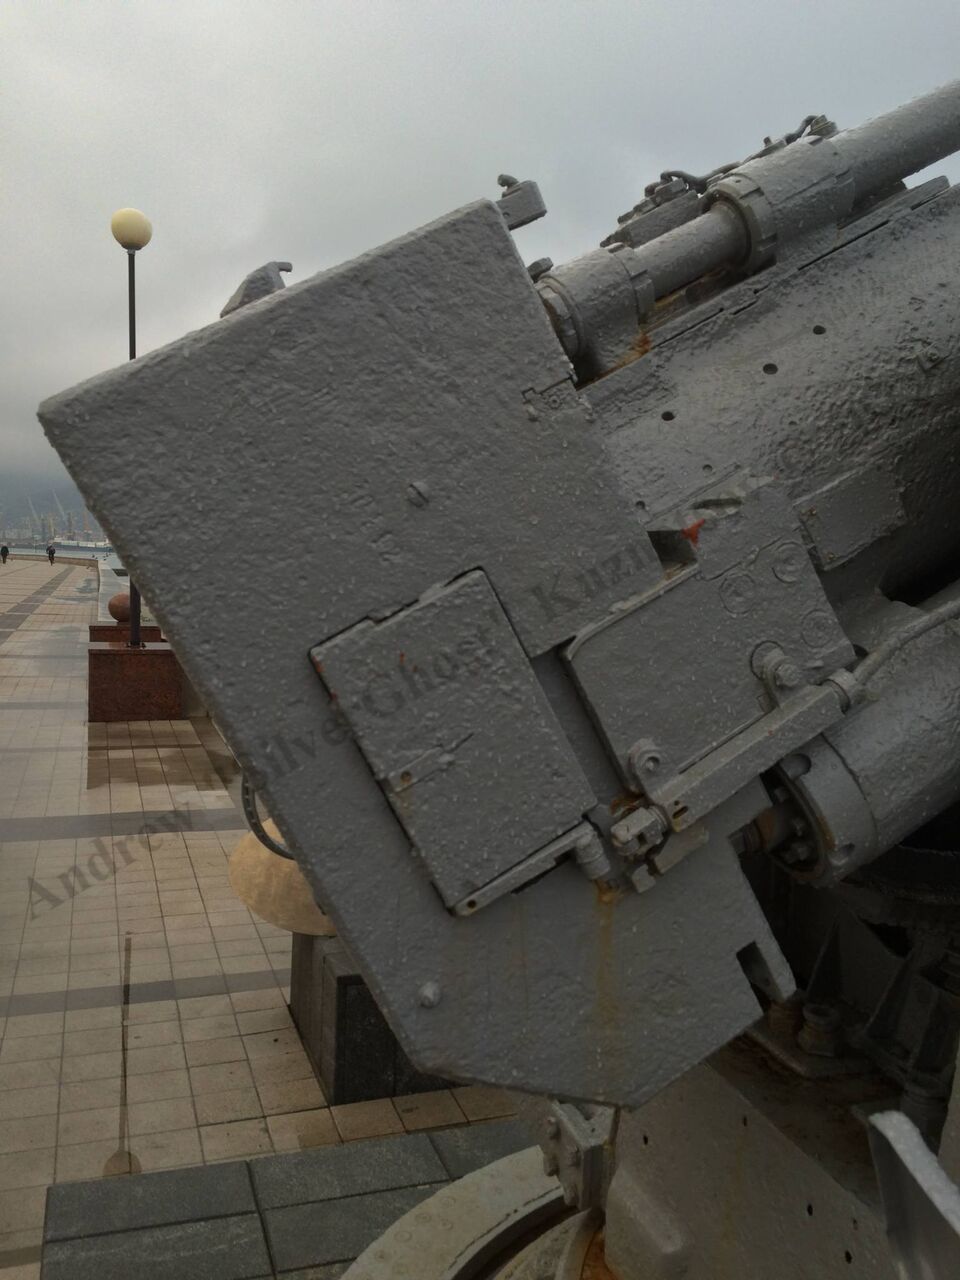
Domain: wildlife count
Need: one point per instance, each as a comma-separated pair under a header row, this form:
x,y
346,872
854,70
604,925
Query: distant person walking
x,y
4,552
51,552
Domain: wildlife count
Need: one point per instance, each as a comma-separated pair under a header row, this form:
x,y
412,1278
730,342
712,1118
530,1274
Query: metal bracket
x,y
578,1148
691,795
521,202
580,840
258,284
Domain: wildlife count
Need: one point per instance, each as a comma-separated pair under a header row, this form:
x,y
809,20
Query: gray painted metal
x,y
809,375
922,1204
754,215
436,432
895,763
258,284
736,1173
578,1145
449,715
414,416
752,586
521,202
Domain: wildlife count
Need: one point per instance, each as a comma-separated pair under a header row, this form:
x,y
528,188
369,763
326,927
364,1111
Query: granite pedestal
x,y
354,1053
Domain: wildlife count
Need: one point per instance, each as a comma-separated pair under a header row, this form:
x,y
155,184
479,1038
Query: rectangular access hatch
x,y
445,707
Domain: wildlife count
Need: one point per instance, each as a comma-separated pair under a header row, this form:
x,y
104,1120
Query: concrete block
x,y
221,1249
309,1235
471,1147
374,1164
76,1209
133,684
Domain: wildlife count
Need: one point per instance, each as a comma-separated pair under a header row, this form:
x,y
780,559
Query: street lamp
x,y
132,230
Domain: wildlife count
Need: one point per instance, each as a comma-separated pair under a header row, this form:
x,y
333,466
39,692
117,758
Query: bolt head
x,y
644,760
539,268
787,675
429,995
418,492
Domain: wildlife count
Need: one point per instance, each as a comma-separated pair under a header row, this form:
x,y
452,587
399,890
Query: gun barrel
x,y
753,213
903,141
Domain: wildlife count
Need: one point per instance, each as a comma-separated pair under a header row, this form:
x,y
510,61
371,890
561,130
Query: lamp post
x,y
132,230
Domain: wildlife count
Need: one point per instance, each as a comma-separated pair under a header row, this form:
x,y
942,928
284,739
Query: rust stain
x,y
637,348
607,894
595,1264
607,1014
692,531
623,802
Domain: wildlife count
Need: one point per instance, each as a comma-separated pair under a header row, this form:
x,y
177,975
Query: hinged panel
x,y
451,720
749,582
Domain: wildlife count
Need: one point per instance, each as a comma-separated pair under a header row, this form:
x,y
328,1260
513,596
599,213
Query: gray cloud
x,y
314,129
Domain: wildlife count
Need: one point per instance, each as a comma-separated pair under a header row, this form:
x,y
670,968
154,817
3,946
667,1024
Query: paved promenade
x,y
142,1007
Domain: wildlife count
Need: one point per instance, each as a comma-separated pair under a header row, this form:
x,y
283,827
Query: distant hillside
x,y
43,488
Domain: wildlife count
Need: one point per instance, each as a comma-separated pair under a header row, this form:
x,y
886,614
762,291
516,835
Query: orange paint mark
x,y
692,531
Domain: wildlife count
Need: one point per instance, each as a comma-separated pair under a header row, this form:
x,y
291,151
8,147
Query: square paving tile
x,y
228,1105
24,1075
30,1048
229,1049
162,1057
209,1028
171,1149
160,1116
290,1095
90,1160
91,1125
144,1035
39,1101
367,1119
436,1109
25,1133
89,1095
27,1169
224,1075
482,1102
297,1130
239,1138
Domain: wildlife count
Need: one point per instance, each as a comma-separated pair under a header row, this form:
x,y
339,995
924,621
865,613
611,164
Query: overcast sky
x,y
310,130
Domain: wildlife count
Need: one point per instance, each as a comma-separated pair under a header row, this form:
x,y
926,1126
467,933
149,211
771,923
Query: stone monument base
x,y
354,1053
134,684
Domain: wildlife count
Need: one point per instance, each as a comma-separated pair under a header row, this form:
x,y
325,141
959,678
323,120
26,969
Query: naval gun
x,y
590,631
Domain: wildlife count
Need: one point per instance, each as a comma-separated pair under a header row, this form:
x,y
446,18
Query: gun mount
x,y
601,666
